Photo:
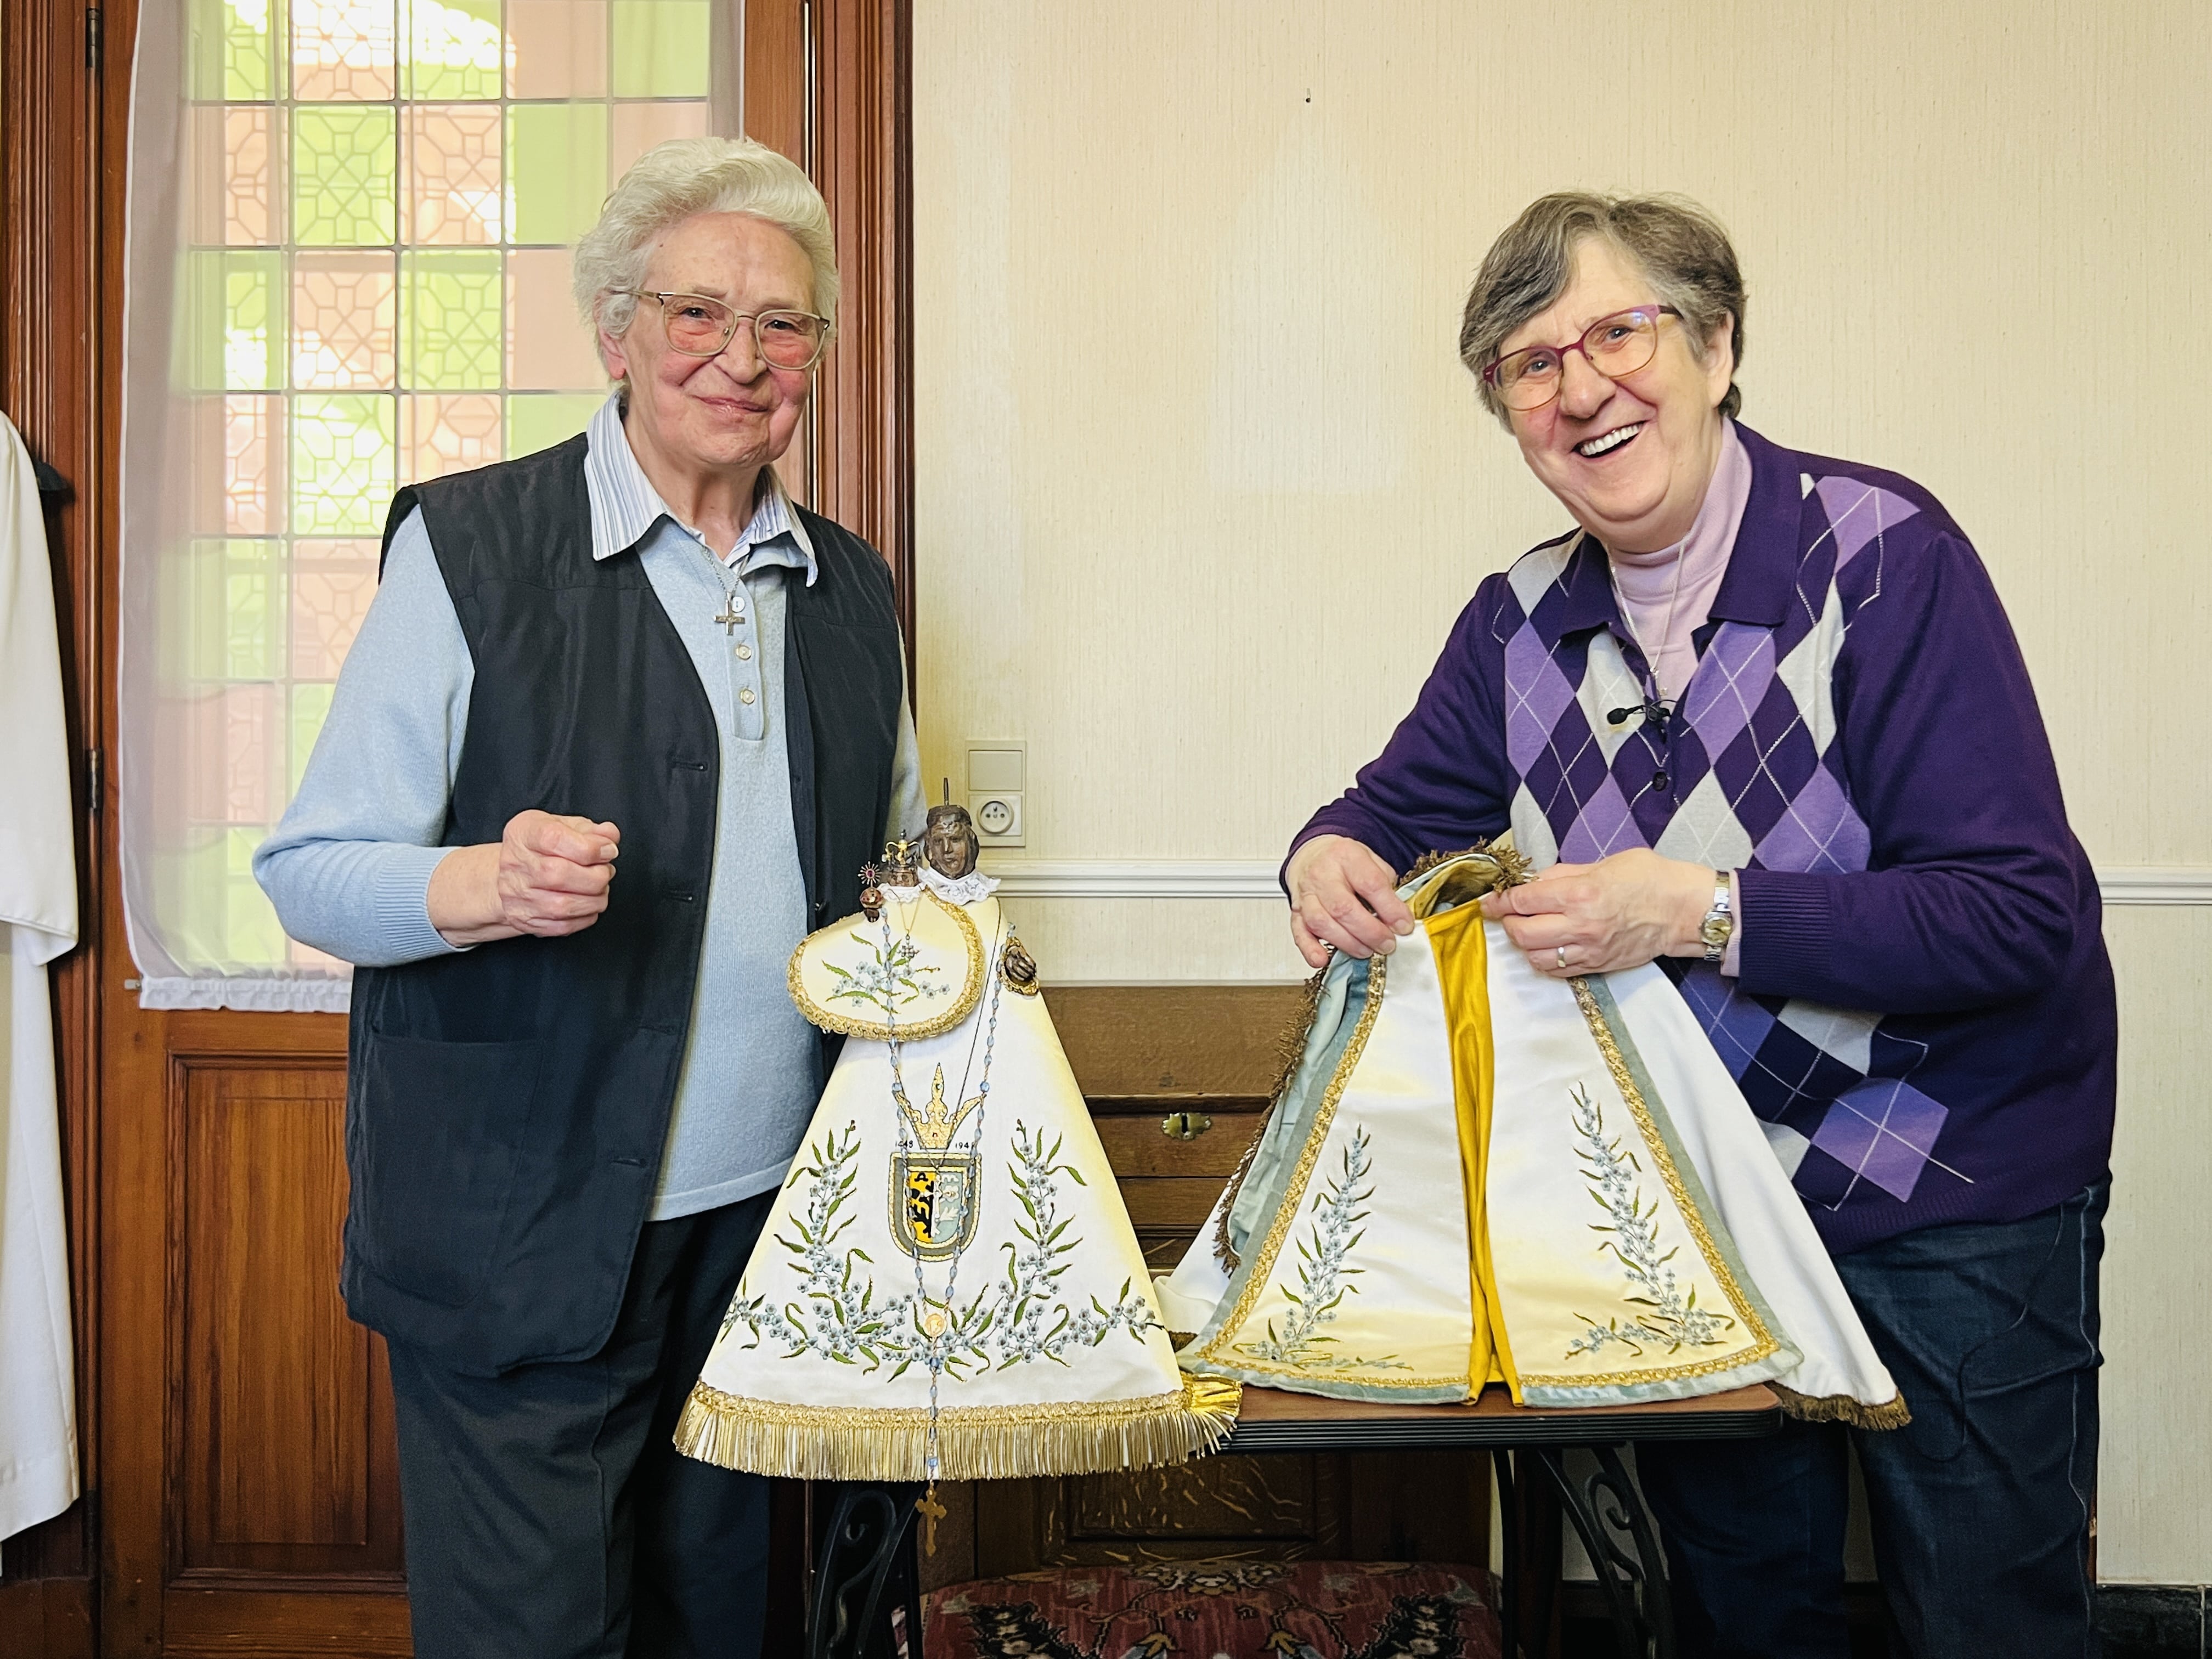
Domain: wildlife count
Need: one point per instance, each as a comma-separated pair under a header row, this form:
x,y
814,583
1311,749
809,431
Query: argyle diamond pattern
x,y
1749,776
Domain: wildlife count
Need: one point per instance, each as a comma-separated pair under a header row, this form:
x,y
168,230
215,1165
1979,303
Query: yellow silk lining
x,y
1462,956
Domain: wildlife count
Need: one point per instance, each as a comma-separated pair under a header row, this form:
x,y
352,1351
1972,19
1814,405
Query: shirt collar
x,y
1762,566
625,507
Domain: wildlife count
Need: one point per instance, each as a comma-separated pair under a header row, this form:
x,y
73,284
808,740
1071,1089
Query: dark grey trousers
x,y
549,1514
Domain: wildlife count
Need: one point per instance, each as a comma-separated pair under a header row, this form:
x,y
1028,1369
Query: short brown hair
x,y
1680,247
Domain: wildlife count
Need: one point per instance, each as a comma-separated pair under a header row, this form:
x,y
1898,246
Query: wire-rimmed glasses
x,y
1616,345
699,326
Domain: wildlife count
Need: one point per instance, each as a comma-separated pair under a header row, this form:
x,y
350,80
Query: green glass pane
x,y
342,462
251,930
311,706
253,611
234,320
451,333
662,48
192,888
344,165
556,170
191,637
536,421
231,318
454,51
231,54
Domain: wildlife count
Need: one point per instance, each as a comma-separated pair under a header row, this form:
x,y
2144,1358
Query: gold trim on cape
x,y
962,1004
974,1443
1294,1193
1763,1341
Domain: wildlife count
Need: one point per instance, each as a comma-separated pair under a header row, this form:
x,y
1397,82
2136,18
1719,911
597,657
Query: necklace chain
x,y
933,1355
1665,628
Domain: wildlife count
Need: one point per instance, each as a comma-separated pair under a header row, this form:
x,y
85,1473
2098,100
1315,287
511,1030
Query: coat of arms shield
x,y
934,1202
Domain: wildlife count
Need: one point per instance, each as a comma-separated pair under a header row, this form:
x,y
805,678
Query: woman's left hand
x,y
1620,912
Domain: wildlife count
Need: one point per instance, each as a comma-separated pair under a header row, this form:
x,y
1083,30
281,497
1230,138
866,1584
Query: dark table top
x,y
1273,1421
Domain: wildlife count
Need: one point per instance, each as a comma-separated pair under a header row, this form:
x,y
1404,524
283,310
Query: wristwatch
x,y
1720,920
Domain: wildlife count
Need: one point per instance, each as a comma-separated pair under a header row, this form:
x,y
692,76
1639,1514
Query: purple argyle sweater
x,y
1925,1021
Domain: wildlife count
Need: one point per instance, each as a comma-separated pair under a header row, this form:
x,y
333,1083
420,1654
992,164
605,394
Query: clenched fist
x,y
546,876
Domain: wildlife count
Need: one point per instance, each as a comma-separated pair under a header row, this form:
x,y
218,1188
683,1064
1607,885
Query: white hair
x,y
674,181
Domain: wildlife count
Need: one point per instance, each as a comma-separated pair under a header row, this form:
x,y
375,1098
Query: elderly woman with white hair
x,y
1759,716
622,727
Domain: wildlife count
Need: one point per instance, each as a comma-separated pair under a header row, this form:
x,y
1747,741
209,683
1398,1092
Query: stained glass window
x,y
379,203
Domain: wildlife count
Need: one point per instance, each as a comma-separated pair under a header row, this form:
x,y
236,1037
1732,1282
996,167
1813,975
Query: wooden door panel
x,y
285,1464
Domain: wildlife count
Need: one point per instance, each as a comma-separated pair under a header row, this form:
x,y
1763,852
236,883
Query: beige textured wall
x,y
1201,484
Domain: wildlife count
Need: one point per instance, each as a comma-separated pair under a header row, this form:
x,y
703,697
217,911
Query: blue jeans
x,y
1980,1507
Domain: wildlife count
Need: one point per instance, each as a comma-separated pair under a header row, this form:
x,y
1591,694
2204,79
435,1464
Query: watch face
x,y
1715,931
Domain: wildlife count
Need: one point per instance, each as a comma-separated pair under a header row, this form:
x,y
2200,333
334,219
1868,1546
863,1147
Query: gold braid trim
x,y
1294,1194
964,1004
1891,1413
1291,1049
1513,865
1763,1341
974,1443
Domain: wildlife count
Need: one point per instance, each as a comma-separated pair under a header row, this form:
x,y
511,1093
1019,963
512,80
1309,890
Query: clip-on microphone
x,y
1654,712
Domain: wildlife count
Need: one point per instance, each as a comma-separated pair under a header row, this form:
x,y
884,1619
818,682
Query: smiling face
x,y
1630,458
725,412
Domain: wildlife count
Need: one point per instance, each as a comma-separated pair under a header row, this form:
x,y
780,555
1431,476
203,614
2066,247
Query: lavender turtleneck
x,y
1667,596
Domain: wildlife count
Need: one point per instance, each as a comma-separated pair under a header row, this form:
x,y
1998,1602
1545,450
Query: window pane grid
x,y
384,194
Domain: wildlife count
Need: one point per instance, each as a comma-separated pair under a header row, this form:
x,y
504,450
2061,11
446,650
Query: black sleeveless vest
x,y
507,1108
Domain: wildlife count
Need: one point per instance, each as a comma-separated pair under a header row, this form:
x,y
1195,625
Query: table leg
x,y
1616,1530
866,1563
1529,1524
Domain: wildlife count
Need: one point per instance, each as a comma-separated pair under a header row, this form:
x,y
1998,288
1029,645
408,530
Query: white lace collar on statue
x,y
970,888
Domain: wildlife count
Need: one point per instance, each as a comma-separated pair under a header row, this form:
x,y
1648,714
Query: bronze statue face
x,y
949,841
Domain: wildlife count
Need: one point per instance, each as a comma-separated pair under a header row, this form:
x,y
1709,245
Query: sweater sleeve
x,y
1440,782
1972,886
348,867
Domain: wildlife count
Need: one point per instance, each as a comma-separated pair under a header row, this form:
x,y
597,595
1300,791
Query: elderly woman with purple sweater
x,y
1760,717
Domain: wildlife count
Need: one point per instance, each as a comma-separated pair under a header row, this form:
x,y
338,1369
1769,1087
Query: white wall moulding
x,y
2156,883
1146,879
1255,878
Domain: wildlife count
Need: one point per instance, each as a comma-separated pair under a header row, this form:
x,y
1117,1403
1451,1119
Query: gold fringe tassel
x,y
974,1443
1891,1413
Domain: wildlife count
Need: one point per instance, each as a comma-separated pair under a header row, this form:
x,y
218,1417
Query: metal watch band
x,y
1720,920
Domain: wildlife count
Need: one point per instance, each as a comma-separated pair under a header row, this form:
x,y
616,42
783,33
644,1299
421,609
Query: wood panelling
x,y
858,150
1146,1048
50,340
285,1463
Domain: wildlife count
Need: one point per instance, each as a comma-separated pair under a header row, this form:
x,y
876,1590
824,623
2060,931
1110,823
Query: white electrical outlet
x,y
998,817
997,774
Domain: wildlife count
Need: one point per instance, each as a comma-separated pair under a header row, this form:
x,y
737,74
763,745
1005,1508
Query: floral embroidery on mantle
x,y
1671,1317
1325,1276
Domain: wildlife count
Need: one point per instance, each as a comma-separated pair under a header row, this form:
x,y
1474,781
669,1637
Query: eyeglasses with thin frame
x,y
699,326
1616,345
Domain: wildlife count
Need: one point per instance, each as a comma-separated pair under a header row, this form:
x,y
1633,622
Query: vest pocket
x,y
439,1128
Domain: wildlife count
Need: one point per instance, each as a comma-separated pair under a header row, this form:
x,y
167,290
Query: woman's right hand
x,y
546,876
1343,895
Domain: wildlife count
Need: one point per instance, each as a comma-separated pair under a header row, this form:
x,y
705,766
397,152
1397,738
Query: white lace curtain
x,y
347,268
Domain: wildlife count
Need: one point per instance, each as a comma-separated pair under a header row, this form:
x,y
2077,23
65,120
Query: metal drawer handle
x,y
1185,1126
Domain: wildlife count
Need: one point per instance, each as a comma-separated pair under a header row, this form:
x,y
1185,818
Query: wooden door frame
x,y
92,1580
51,334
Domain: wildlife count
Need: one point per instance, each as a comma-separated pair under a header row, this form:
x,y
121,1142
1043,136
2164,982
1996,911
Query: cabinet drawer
x,y
1140,1150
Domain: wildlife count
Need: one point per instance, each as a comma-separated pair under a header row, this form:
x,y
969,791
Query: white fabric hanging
x,y
38,923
